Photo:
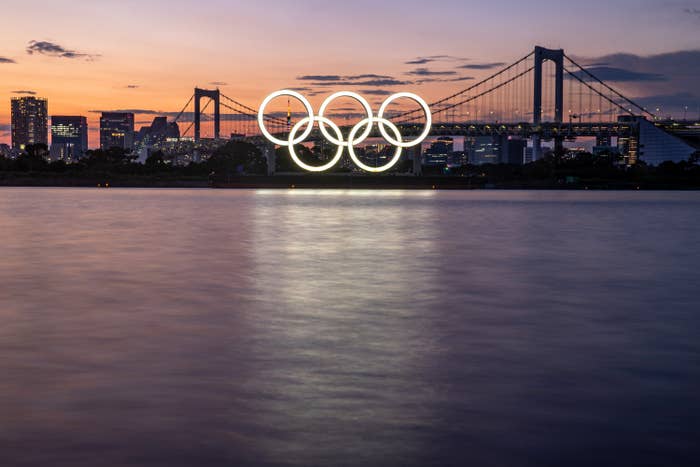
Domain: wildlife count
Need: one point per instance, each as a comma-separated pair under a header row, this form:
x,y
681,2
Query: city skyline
x,y
106,61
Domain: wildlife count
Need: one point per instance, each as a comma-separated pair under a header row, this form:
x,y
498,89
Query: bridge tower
x,y
557,56
214,95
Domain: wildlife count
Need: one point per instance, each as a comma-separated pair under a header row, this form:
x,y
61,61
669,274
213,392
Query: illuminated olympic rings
x,y
336,138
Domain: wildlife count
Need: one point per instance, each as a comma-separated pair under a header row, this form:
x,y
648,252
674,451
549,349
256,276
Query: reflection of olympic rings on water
x,y
336,137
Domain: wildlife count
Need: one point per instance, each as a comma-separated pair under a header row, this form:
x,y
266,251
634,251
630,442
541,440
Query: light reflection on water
x,y
348,327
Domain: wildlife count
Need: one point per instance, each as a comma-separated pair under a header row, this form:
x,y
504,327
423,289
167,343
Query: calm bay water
x,y
300,328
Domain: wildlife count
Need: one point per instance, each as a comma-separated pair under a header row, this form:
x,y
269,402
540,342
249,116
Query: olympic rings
x,y
351,146
321,120
353,139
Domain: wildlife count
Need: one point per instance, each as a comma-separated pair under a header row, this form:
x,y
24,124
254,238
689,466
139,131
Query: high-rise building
x,y
652,144
152,137
438,152
483,149
117,130
69,137
512,150
29,121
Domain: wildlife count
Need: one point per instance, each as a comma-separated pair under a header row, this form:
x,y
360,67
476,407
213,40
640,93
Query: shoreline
x,y
331,181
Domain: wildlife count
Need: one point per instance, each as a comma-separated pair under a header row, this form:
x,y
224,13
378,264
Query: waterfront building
x,y
69,137
29,121
117,130
439,151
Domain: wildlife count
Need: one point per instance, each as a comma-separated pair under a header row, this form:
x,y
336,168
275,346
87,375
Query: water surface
x,y
324,328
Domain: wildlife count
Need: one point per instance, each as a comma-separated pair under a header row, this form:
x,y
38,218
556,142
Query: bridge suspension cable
x,y
184,108
470,88
583,81
192,123
250,110
471,98
608,87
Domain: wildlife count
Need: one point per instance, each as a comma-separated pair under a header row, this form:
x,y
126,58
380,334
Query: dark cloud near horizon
x,y
185,117
482,66
663,80
133,111
26,93
693,11
614,74
670,65
132,86
6,60
52,49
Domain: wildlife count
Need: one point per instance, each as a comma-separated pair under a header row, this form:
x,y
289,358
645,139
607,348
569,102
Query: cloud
x,y
614,74
185,117
6,60
368,76
659,67
430,76
482,66
365,83
693,11
366,79
376,92
132,86
444,80
432,58
661,77
427,72
134,111
27,93
319,78
218,83
52,49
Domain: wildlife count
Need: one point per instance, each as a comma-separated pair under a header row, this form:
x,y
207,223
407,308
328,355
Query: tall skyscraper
x,y
69,137
29,121
438,152
117,130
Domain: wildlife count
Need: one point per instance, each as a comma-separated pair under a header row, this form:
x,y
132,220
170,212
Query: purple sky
x,y
149,55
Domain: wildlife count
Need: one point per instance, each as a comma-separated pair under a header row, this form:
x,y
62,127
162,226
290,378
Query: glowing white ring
x,y
367,122
358,98
351,141
302,164
426,110
296,95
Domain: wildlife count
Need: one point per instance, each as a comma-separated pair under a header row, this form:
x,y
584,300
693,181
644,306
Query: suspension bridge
x,y
544,96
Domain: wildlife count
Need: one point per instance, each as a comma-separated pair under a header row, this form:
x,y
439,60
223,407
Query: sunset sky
x,y
86,56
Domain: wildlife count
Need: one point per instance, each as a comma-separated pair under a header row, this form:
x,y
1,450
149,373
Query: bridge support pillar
x,y
214,95
417,160
536,147
556,56
270,155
